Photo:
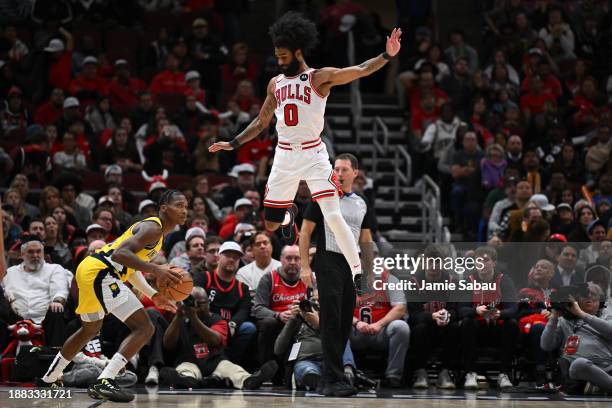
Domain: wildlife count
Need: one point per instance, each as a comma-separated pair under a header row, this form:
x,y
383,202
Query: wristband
x,y
234,143
386,56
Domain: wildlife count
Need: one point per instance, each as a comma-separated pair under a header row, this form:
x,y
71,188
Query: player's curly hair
x,y
294,32
167,196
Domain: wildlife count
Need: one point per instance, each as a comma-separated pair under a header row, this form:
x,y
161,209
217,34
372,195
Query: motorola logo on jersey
x,y
293,91
304,77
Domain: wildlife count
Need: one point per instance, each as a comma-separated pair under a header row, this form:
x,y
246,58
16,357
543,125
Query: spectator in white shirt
x,y
263,263
38,291
71,157
597,234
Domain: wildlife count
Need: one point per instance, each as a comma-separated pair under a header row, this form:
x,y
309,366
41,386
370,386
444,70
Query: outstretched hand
x,y
220,146
393,42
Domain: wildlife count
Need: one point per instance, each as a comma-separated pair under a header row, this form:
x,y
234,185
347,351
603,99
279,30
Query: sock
x,y
330,207
56,369
113,367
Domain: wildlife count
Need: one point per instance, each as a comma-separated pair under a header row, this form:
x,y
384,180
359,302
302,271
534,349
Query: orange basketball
x,y
181,290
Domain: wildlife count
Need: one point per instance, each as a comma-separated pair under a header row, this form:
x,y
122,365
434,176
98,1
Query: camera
x,y
560,299
308,305
189,301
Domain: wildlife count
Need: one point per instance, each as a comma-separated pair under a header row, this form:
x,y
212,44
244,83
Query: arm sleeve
x,y
244,306
604,327
262,298
140,283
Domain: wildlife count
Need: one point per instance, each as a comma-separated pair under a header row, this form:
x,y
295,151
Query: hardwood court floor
x,y
272,398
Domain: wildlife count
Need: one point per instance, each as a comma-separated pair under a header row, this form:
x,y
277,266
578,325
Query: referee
x,y
334,277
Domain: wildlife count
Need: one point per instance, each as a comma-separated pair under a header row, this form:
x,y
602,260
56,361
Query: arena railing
x,y
379,128
355,92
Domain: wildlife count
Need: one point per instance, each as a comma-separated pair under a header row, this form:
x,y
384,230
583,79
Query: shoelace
x,y
111,384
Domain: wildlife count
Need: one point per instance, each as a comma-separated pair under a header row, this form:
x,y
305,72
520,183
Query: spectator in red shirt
x,y
171,80
584,102
50,111
245,95
60,72
124,89
533,102
550,83
89,85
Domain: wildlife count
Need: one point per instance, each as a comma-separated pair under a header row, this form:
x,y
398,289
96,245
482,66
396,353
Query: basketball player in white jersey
x,y
297,97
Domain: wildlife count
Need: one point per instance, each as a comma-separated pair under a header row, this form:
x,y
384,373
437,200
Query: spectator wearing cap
x,y
597,234
60,56
243,179
243,211
169,81
89,85
71,157
51,110
263,264
38,291
208,54
192,79
567,269
113,175
15,115
194,250
147,208
563,220
95,232
230,298
243,232
124,89
174,244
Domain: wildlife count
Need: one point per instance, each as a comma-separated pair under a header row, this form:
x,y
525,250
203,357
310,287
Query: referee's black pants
x,y
337,302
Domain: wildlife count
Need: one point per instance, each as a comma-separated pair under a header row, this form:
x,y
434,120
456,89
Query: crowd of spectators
x,y
521,124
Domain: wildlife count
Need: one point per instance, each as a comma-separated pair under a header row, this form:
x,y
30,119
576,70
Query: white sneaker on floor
x,y
504,382
422,381
152,376
444,381
471,381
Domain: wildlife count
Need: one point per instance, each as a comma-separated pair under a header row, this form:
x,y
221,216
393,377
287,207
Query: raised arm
x,y
258,125
325,78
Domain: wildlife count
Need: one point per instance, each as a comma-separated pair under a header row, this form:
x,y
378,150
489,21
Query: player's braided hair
x,y
166,197
294,32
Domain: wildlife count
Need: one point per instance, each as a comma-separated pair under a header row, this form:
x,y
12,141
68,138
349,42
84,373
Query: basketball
x,y
181,290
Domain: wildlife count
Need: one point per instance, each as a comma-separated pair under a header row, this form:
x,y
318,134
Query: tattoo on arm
x,y
373,64
261,122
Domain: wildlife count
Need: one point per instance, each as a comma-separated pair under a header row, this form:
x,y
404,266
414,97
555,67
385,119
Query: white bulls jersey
x,y
300,109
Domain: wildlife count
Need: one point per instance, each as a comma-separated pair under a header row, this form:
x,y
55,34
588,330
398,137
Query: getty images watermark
x,y
412,264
